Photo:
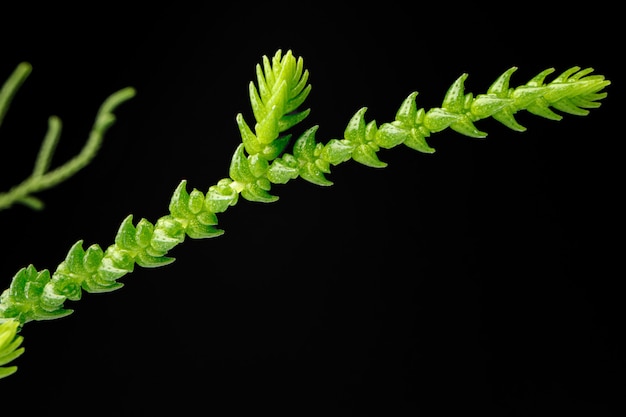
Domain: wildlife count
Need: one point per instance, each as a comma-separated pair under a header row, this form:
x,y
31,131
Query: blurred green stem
x,y
41,179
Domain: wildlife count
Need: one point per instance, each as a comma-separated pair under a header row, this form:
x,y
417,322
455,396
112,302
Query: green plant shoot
x,y
267,155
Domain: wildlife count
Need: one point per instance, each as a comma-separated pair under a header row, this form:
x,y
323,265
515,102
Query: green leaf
x,y
240,167
271,151
454,100
417,141
199,230
289,120
93,257
485,105
250,141
126,235
437,119
337,151
308,154
66,284
167,234
506,118
145,260
464,126
253,192
390,135
304,147
221,196
267,129
312,173
407,113
72,265
355,130
281,171
500,87
366,155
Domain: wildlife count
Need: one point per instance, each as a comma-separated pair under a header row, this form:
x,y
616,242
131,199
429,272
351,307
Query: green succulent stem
x,y
262,159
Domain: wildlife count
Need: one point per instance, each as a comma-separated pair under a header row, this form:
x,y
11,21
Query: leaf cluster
x,y
9,346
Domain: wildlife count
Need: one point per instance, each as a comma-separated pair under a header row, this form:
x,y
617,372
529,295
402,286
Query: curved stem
x,y
12,84
40,179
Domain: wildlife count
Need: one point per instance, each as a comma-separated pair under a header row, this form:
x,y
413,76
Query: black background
x,y
483,279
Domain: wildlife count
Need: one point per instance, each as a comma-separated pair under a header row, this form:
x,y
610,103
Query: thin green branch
x,y
48,146
41,178
11,85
